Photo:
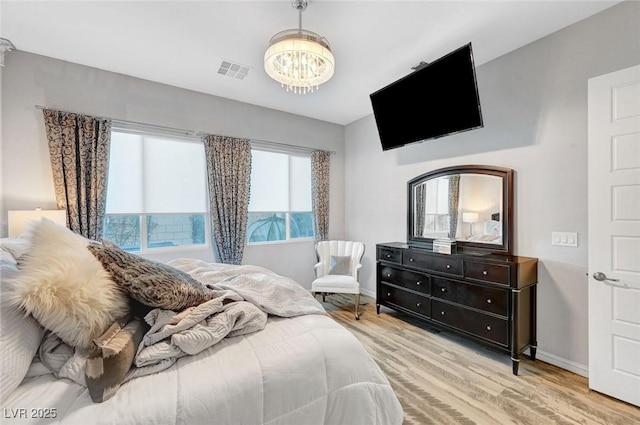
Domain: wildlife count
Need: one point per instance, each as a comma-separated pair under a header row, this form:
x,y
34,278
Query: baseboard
x,y
574,367
368,293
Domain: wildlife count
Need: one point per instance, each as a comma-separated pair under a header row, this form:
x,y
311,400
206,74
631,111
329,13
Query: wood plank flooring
x,y
441,378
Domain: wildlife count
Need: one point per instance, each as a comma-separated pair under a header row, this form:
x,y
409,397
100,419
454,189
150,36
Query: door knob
x,y
602,277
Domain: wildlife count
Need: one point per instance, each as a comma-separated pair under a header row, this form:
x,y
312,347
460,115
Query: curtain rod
x,y
196,133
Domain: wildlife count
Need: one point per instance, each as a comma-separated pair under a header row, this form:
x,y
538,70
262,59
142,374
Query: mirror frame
x,y
507,176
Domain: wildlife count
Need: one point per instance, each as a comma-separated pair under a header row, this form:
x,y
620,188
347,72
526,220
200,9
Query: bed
x,y
303,369
491,233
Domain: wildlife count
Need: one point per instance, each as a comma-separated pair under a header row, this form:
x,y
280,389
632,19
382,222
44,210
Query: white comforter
x,y
301,370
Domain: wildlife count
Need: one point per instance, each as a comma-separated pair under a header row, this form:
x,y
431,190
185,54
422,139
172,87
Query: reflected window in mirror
x,y
432,208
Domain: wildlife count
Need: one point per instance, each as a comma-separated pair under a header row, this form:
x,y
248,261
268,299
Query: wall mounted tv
x,y
436,100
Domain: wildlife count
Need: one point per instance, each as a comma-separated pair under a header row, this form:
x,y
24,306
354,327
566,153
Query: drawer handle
x,y
388,294
411,260
388,255
489,301
388,274
442,312
443,289
488,328
448,266
484,272
418,304
418,283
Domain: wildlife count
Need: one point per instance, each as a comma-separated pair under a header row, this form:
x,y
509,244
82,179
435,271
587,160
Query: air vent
x,y
234,70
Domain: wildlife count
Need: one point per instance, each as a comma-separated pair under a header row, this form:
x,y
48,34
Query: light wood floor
x,y
441,378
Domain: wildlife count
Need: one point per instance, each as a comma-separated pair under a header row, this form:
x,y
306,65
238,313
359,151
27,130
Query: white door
x,y
614,234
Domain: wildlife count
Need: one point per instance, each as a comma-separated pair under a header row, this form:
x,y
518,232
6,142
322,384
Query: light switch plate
x,y
564,239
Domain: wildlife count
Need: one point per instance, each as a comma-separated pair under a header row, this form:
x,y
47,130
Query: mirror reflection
x,y
465,207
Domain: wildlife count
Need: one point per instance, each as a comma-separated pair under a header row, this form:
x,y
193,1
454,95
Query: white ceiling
x,y
182,43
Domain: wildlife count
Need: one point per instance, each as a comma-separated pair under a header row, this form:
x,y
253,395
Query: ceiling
x,y
182,43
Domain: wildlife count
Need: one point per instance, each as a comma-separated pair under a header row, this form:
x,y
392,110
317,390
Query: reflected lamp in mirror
x,y
470,217
19,220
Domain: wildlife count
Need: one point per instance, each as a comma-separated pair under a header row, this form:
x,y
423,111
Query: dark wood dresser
x,y
490,298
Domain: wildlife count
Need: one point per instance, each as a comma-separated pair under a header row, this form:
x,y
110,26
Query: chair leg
x,y
357,305
323,295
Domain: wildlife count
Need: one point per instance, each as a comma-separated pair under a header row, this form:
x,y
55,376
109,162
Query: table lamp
x,y
470,217
19,220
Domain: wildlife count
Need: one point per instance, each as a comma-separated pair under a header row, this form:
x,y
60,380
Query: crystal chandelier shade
x,y
298,59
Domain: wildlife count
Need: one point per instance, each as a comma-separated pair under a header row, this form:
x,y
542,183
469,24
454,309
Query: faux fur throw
x,y
64,287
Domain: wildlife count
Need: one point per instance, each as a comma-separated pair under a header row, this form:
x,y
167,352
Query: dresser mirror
x,y
472,204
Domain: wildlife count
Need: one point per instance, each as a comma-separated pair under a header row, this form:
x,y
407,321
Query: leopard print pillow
x,y
150,282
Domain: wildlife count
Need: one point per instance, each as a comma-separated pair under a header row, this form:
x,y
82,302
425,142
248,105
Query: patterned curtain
x,y
229,174
420,200
79,152
454,195
320,161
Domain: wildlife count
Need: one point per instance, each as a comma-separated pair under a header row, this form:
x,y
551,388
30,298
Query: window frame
x,y
287,213
142,217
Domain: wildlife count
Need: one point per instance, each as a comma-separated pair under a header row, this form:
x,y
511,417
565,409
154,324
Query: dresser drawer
x,y
437,263
486,299
389,254
416,281
482,325
405,299
493,273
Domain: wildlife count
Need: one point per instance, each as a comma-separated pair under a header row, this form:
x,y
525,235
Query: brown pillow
x,y
152,283
112,358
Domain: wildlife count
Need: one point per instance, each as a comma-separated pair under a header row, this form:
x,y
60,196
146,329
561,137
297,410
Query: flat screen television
x,y
434,101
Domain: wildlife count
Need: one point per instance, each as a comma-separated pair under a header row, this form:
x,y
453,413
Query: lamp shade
x,y
19,220
470,217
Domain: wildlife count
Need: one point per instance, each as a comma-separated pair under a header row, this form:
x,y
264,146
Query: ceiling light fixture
x,y
5,46
298,59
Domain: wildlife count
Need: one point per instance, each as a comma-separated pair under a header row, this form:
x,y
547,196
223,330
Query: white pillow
x,y
20,335
492,227
65,288
16,247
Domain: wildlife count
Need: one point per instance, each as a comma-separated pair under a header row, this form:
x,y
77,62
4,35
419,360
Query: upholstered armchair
x,y
337,270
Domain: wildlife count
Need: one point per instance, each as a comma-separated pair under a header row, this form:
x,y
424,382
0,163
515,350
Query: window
x,y
156,193
280,202
437,206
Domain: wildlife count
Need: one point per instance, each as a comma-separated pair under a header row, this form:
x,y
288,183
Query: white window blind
x,y
300,183
437,196
269,181
153,175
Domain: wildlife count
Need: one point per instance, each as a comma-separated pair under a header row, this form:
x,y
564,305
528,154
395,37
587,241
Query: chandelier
x,y
298,59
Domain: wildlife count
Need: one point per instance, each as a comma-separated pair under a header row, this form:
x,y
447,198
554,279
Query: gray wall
x,y
29,80
534,103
